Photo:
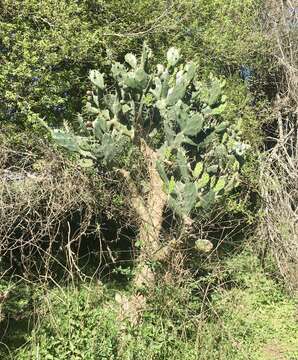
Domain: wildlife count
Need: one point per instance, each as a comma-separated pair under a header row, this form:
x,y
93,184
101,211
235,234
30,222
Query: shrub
x,y
236,311
52,209
47,49
79,326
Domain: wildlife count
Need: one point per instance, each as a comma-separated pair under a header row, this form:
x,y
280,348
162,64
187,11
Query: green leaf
x,y
232,183
109,147
182,163
190,196
131,60
209,139
137,80
221,127
176,93
219,185
97,79
161,171
203,181
158,88
187,140
207,200
81,123
215,91
125,108
142,78
171,185
219,109
90,109
86,163
212,169
176,206
170,133
66,140
213,181
118,70
203,245
100,126
173,56
193,125
95,99
190,71
198,169
101,121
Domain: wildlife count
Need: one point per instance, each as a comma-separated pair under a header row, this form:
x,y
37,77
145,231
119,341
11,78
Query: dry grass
x,y
279,175
281,26
47,208
279,186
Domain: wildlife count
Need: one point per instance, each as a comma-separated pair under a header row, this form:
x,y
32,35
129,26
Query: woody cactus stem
x,y
151,218
150,210
192,156
153,211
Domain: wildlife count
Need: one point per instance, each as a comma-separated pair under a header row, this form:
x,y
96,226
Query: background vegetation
x,y
68,232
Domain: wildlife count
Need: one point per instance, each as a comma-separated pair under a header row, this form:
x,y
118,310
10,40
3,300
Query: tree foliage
x,y
48,47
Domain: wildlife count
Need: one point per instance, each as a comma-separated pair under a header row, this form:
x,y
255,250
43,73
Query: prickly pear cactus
x,y
175,114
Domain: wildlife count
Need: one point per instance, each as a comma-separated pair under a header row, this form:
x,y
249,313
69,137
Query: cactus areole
x,y
192,156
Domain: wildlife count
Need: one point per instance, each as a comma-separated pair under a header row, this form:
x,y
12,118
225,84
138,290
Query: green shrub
x,y
82,324
77,325
244,315
48,48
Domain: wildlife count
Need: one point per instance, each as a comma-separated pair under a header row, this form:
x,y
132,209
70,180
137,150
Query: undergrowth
x,y
237,311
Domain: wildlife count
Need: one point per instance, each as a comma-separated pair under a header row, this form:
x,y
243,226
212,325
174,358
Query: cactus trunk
x,y
151,218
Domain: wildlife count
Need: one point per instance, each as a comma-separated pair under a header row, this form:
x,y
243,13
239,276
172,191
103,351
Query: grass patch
x,y
253,319
246,315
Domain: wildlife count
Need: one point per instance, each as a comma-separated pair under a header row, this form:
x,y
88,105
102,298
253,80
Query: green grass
x,y
255,319
246,315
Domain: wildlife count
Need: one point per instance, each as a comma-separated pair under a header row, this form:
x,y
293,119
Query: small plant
x,y
74,325
192,157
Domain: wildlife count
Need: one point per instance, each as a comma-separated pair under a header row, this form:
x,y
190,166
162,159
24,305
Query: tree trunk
x,y
151,218
150,213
